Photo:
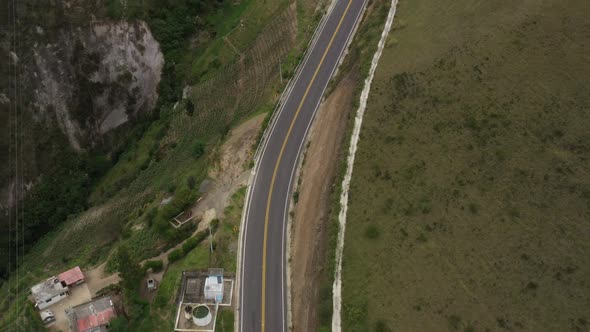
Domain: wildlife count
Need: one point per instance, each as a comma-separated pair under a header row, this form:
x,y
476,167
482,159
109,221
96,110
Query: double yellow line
x,y
274,174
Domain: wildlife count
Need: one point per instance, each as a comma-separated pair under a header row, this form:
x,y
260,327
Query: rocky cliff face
x,y
72,77
95,78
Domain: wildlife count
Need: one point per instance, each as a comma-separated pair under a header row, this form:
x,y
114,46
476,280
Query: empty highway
x,y
263,278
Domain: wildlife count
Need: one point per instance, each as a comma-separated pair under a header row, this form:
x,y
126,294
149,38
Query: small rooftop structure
x,y
47,317
72,277
151,284
214,286
92,316
49,292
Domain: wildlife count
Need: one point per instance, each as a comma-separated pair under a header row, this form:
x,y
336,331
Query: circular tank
x,y
202,315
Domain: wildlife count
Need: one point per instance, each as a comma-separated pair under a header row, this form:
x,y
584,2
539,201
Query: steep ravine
x,y
76,83
95,78
83,81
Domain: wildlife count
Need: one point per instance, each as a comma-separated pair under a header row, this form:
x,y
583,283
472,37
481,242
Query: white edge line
x,y
253,176
298,161
337,287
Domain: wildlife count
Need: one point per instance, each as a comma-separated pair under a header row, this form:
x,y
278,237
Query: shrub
x,y
198,149
191,182
156,265
193,242
110,289
381,326
119,324
183,199
175,236
214,225
175,255
372,232
151,215
190,107
454,322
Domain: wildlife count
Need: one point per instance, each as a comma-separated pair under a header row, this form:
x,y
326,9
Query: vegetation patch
x,y
356,62
473,166
124,203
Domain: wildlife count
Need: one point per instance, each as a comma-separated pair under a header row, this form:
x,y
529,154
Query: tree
x,y
198,149
190,107
119,324
191,182
130,271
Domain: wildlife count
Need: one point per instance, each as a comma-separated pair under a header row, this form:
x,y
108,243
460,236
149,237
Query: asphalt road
x,y
263,293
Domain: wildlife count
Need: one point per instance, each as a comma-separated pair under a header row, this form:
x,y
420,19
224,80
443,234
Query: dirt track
x,y
228,175
309,234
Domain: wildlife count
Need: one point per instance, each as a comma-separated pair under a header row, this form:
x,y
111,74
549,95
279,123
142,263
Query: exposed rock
x,y
95,78
14,57
4,99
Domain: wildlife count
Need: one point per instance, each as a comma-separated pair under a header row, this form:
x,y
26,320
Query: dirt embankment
x,y
230,172
309,234
227,176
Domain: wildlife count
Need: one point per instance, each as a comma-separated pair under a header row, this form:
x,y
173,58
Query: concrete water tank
x,y
202,315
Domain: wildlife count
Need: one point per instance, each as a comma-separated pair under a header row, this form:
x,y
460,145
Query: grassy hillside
x,y
173,153
470,197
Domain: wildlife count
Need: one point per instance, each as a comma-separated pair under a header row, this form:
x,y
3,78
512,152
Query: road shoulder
x,y
309,234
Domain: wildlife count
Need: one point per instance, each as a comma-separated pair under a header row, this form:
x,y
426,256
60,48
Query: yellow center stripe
x,y
274,174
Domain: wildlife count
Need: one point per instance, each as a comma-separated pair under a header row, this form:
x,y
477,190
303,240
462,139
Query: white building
x,y
49,292
214,286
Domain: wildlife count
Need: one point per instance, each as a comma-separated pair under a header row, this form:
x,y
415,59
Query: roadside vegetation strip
x,y
337,289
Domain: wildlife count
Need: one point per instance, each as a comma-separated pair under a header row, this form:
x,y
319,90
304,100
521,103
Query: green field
x,y
470,197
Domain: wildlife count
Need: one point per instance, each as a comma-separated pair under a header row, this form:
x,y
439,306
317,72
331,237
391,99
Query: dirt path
x,y
228,175
96,279
309,234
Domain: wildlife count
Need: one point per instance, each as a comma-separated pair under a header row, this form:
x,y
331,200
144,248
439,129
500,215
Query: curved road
x,y
263,300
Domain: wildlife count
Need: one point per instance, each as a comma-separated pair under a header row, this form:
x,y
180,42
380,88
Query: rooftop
x,y
71,276
214,284
93,314
48,289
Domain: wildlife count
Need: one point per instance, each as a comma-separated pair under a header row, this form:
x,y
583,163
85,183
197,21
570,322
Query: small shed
x,y
71,277
214,285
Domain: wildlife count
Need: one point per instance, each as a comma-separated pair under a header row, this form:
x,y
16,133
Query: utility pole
x,y
210,244
210,238
281,70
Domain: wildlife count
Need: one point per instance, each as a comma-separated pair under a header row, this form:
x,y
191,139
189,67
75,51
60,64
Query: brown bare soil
x,y
309,234
228,176
230,172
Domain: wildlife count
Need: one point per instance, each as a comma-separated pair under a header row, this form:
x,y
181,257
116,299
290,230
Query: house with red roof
x,y
71,277
93,316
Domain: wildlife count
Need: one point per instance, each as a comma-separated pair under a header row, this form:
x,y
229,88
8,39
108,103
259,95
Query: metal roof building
x,y
72,277
49,292
93,315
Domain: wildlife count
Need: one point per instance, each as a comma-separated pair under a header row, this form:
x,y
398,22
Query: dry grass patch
x,y
470,197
